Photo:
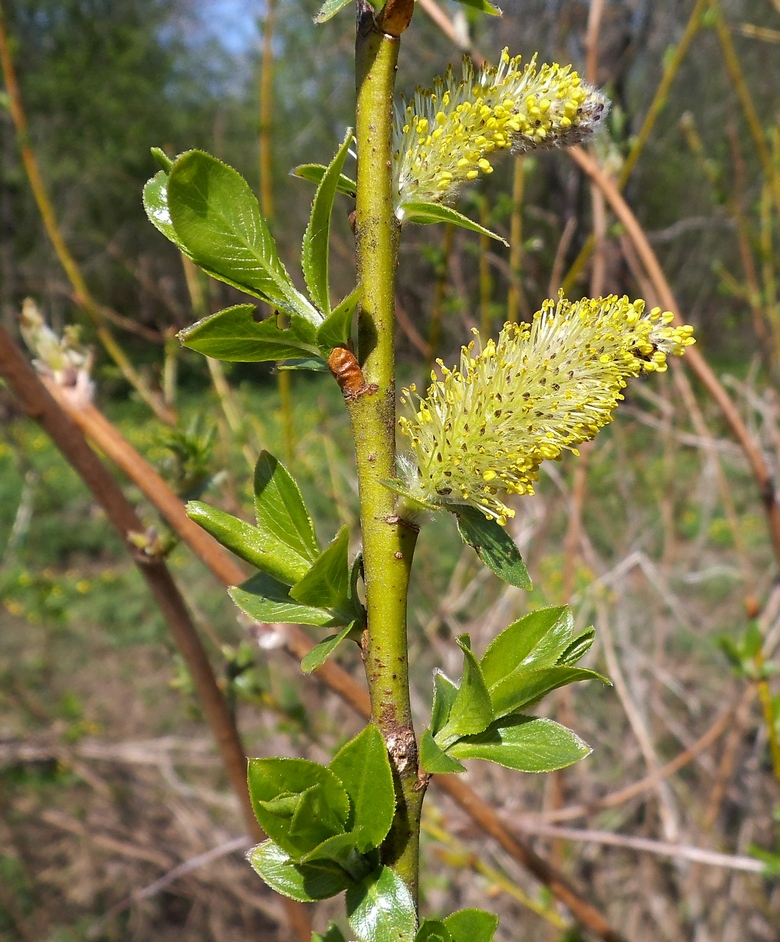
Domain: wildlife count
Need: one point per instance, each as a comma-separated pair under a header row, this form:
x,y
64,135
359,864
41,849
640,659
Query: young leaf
x,y
524,687
156,206
326,584
535,640
494,546
235,336
363,767
334,934
444,693
335,331
432,930
298,803
321,652
313,821
482,5
218,219
578,648
526,744
472,711
262,550
435,760
329,9
303,882
310,364
340,849
315,252
267,600
427,213
315,172
162,158
380,908
472,925
280,508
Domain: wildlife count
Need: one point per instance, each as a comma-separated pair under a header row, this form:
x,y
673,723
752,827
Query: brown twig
x,y
40,405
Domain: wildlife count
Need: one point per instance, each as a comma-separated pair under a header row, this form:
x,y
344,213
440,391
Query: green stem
x,y
388,542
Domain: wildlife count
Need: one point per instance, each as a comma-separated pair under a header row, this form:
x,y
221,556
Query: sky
x,y
232,22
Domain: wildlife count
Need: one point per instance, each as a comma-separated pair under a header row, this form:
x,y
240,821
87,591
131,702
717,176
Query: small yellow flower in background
x,y
482,431
445,136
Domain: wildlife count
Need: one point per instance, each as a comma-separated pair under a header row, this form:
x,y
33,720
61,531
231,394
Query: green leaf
x,y
472,711
494,546
578,648
334,934
432,930
472,925
156,206
322,651
218,218
435,760
329,9
380,908
484,7
235,336
313,820
326,584
524,687
315,252
336,330
162,158
341,849
527,744
303,882
262,550
298,803
312,364
426,214
535,640
280,508
444,693
315,172
363,767
267,600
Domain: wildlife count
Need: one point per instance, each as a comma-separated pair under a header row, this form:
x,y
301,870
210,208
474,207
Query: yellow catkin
x,y
506,107
484,428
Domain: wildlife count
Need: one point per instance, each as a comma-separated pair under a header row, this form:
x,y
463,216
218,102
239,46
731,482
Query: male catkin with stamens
x,y
483,430
445,135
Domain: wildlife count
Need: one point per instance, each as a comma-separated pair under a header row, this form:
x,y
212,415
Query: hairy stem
x,y
388,542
